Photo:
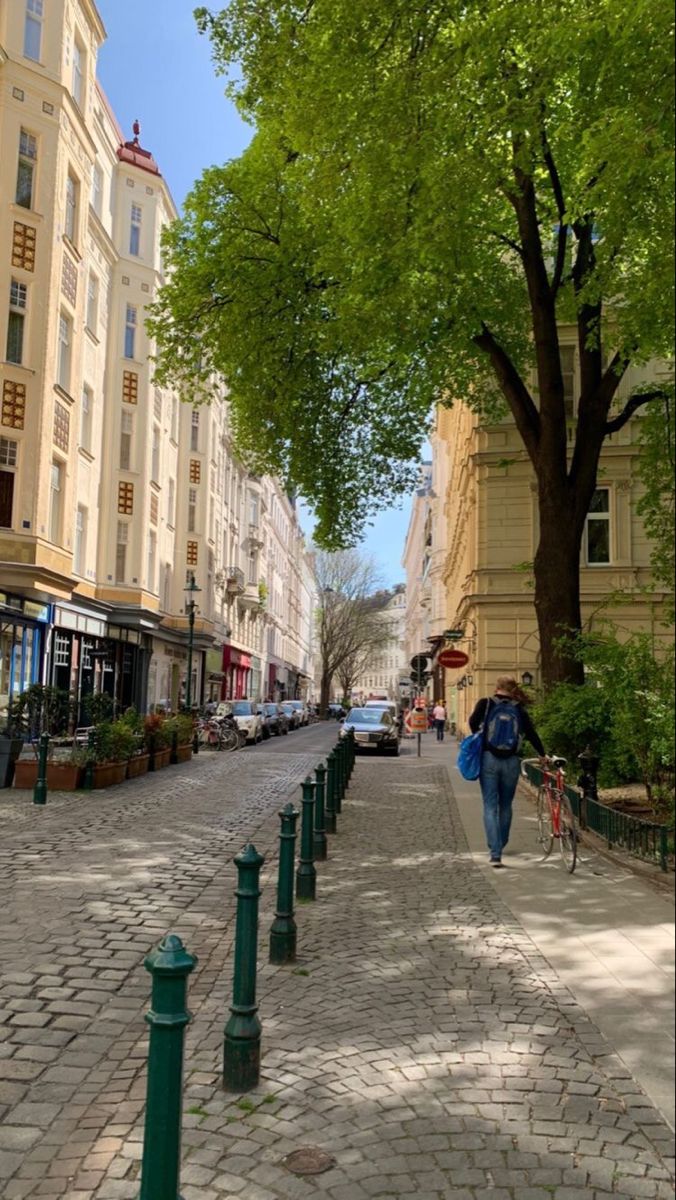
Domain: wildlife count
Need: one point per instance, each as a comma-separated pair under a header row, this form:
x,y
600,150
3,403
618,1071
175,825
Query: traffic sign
x,y
454,635
452,658
417,720
419,662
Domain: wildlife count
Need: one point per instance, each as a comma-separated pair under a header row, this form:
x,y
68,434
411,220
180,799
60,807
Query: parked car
x,y
336,711
390,707
374,729
301,708
291,714
274,718
247,717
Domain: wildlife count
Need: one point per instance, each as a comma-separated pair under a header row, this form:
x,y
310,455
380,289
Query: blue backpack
x,y
503,729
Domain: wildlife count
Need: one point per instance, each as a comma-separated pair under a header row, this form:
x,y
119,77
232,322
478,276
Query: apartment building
x,y
382,675
115,496
482,529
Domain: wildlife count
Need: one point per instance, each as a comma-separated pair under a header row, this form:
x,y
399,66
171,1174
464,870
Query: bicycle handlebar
x,y
549,760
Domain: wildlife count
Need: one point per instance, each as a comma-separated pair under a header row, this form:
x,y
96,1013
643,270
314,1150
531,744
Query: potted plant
x,y
157,741
139,758
180,728
114,744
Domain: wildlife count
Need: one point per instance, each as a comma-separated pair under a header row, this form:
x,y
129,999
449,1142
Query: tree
x,y
433,189
657,470
349,627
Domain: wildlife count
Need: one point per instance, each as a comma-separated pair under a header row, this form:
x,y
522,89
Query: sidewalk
x,y
422,1040
608,934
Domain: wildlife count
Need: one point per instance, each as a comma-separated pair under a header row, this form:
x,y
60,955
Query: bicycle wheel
x,y
567,834
230,740
545,827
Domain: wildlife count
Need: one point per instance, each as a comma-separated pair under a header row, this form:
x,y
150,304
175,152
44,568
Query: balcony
x,y
250,597
255,537
234,581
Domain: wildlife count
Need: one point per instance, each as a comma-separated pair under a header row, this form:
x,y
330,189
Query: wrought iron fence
x,y
647,840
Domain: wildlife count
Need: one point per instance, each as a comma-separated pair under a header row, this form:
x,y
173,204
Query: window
x,y
64,352
171,499
152,555
97,189
567,354
130,323
86,413
13,404
253,568
166,587
174,418
78,72
32,32
597,533
61,650
18,303
125,498
70,227
55,502
155,455
79,554
121,551
23,246
192,509
61,432
69,279
195,430
154,508
92,303
25,177
130,387
126,435
135,231
8,452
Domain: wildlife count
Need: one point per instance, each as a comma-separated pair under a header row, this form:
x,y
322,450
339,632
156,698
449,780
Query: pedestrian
x,y
506,723
439,715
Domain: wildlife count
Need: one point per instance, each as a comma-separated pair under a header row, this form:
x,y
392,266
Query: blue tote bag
x,y
470,752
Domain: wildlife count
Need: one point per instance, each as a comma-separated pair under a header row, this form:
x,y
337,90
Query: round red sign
x,y
452,658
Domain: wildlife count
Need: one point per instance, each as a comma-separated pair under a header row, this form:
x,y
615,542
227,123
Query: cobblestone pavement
x,y
420,1040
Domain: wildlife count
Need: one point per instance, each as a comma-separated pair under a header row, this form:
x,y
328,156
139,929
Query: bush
x,y
182,725
97,707
114,742
625,711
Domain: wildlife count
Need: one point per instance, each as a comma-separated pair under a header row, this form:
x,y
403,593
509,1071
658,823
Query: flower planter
x,y
160,758
138,765
25,772
63,777
107,774
184,753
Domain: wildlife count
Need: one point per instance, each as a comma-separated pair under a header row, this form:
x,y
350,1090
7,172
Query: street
x,y
422,1040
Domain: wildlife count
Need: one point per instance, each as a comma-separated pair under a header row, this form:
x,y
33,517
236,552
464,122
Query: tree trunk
x,y
324,696
557,592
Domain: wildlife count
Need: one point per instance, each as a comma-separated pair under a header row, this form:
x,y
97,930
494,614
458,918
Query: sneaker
x,y
496,862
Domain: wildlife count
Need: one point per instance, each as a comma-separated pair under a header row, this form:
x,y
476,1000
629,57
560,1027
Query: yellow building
x,y
487,534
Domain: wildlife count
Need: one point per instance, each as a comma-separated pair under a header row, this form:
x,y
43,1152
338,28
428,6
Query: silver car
x,y
373,728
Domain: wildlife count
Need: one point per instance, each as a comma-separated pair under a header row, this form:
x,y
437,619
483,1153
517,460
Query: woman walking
x,y
506,723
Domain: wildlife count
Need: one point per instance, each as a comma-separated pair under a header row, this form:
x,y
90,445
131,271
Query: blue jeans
x,y
498,779
440,726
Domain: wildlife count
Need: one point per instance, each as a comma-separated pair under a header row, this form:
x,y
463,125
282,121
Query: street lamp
x,y
527,679
190,590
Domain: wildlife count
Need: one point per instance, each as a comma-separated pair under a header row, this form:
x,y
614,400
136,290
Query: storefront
x,y
237,671
89,655
24,635
255,680
214,683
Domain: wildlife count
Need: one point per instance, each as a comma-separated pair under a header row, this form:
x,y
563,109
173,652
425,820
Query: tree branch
x,y
557,189
633,403
513,388
508,242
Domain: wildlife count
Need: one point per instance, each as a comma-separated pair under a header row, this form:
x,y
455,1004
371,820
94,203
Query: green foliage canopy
x,y
365,256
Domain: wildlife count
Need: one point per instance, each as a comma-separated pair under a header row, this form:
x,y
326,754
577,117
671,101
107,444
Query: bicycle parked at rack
x,y
216,733
555,817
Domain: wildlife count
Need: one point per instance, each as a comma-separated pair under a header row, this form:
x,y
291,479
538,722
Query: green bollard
x,y
283,930
330,809
170,964
340,791
242,1041
319,843
353,755
40,788
306,875
173,753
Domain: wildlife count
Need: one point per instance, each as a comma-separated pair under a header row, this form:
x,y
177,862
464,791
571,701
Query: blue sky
x,y
154,66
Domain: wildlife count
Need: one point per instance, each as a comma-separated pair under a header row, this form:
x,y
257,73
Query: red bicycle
x,y
556,820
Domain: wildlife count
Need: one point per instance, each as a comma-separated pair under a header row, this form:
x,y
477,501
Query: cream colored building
x,y
489,530
387,666
114,495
